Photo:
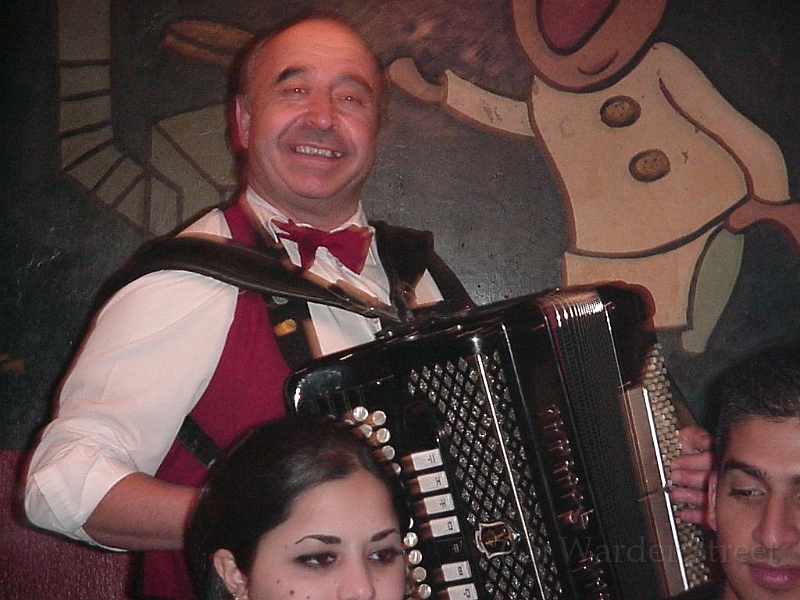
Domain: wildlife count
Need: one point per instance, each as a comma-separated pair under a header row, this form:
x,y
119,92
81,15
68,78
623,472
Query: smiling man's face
x,y
755,509
309,121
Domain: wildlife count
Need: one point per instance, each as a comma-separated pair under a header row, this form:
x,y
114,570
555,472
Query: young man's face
x,y
755,510
309,121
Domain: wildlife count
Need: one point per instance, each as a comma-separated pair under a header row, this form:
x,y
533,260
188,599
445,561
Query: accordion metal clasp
x,y
496,539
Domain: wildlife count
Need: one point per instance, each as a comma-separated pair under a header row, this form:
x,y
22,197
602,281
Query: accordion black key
x,y
532,438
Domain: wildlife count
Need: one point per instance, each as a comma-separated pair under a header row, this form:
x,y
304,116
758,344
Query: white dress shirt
x,y
147,360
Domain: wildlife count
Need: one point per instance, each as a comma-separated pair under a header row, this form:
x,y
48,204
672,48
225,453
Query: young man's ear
x,y
242,122
712,500
234,579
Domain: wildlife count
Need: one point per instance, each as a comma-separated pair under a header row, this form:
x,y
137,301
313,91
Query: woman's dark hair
x,y
765,385
252,490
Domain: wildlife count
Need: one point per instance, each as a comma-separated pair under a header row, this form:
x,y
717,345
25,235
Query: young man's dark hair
x,y
766,384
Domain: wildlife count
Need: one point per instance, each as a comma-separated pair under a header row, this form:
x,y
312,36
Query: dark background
x,y
59,245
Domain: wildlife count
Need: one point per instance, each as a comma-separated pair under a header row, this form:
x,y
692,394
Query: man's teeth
x,y
318,151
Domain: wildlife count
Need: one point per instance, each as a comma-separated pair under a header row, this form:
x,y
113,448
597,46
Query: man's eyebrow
x,y
288,73
737,465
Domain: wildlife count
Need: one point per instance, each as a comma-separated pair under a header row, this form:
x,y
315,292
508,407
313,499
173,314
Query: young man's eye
x,y
317,560
746,494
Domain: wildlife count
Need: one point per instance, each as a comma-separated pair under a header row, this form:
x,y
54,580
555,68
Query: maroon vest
x,y
247,386
245,390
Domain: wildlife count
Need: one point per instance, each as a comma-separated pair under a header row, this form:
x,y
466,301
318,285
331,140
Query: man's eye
x,y
386,555
316,561
356,99
746,494
293,91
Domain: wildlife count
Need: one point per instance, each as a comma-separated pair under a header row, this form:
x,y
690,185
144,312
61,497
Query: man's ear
x,y
712,500
242,117
234,579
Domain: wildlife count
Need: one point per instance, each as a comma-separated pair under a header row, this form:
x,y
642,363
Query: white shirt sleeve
x,y
146,361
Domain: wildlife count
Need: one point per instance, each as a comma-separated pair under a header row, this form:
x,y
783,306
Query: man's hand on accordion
x,y
690,472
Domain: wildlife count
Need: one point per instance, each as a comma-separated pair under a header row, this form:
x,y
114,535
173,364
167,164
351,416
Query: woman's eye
x,y
386,555
318,560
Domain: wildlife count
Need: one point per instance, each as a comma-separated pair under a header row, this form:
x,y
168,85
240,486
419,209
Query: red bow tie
x,y
349,245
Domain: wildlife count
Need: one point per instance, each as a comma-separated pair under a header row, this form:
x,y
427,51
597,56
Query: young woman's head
x,y
299,509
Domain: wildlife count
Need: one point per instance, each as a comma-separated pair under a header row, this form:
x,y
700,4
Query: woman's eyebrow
x,y
381,535
321,537
332,539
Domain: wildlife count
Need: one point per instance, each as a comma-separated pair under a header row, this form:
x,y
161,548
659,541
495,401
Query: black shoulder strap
x,y
406,254
239,265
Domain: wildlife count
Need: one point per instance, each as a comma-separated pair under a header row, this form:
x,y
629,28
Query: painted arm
x,y
694,97
469,102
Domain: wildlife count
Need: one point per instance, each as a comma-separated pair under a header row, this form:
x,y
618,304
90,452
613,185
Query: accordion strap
x,y
245,267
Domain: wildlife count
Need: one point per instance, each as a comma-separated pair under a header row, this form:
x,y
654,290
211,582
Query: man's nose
x,y
780,524
320,111
357,582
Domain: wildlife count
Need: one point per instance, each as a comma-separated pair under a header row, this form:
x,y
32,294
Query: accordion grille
x,y
484,444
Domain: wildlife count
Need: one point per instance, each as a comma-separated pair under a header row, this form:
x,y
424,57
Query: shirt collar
x,y
266,213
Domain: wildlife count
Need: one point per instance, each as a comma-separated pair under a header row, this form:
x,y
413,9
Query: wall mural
x,y
647,141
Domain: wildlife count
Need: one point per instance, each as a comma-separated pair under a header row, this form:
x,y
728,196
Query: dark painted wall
x,y
58,245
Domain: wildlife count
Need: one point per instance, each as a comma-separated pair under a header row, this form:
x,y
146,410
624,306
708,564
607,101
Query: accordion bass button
x,y
359,414
414,557
386,452
380,436
377,418
423,592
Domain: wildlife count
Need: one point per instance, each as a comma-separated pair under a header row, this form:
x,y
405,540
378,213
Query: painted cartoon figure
x,y
657,168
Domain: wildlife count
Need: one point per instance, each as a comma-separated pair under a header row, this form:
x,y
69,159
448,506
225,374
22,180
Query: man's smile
x,y
314,151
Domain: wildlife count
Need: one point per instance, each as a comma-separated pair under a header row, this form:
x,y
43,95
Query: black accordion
x,y
532,438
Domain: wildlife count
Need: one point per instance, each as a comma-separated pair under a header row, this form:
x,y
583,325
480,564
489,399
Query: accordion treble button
x,y
429,482
460,592
436,528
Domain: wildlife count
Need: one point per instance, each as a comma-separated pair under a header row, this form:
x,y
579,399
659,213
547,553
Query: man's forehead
x,y
310,38
764,442
331,57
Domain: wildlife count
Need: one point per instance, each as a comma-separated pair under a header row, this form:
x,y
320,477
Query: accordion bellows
x,y
532,438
